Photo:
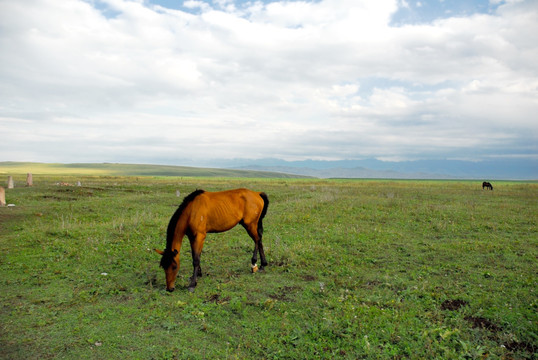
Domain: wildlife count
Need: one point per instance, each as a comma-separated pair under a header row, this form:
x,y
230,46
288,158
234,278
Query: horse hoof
x,y
191,289
254,268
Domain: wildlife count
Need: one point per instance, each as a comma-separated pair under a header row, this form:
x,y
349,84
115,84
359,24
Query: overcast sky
x,y
177,82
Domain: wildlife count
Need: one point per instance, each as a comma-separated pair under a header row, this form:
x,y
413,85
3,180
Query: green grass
x,y
358,270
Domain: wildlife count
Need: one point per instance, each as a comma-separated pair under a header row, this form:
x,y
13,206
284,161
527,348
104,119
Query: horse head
x,y
170,264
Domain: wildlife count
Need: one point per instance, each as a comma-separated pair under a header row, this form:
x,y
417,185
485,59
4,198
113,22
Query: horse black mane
x,y
168,255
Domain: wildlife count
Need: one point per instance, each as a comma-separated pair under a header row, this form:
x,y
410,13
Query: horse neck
x,y
179,234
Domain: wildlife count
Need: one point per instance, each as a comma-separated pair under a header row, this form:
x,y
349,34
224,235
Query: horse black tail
x,y
264,211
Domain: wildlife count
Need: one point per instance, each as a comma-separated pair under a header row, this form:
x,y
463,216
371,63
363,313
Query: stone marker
x,y
10,182
78,183
178,193
29,180
2,196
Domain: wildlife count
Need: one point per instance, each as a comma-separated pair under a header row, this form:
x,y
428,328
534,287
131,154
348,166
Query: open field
x,y
108,169
357,270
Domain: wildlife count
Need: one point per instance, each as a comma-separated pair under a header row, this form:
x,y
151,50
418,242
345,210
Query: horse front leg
x,y
197,271
197,244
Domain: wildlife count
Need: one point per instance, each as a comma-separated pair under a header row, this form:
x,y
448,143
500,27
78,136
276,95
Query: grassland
x,y
358,270
113,169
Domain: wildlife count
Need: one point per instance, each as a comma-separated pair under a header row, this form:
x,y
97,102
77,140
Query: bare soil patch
x,y
453,305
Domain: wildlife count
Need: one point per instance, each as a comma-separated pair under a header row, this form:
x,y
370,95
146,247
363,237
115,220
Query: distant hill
x,y
347,173
109,169
500,169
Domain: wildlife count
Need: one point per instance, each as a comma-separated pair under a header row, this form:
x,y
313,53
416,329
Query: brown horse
x,y
487,185
204,212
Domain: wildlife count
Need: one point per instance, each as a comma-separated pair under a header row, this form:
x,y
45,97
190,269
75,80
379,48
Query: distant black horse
x,y
487,185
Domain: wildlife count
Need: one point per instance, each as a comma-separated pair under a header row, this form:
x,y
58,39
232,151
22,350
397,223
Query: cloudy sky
x,y
183,81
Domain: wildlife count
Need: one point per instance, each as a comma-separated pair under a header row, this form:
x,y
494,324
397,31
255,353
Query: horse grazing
x,y
487,185
204,212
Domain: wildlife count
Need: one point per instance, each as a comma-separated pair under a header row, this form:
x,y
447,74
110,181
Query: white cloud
x,y
290,79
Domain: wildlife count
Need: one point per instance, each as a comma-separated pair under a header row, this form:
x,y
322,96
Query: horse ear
x,y
160,252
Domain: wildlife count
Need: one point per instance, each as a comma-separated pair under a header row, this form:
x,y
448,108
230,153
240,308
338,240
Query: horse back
x,y
222,210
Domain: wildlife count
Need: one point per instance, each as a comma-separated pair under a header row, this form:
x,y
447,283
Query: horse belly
x,y
222,224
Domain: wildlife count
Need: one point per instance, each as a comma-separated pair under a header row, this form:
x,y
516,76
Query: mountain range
x,y
498,169
515,169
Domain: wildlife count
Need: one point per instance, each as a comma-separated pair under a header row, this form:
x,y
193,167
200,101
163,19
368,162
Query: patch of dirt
x,y
309,278
60,198
283,293
69,194
521,346
453,305
216,299
482,323
52,197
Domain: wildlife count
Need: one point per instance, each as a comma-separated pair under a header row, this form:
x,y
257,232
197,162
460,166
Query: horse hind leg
x,y
260,247
256,233
262,254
